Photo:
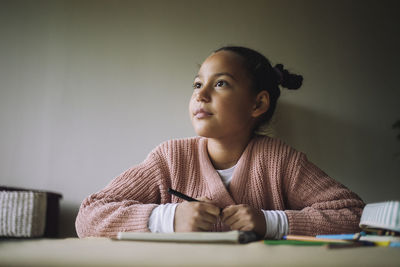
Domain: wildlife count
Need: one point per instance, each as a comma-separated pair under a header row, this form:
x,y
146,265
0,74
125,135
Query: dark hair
x,y
265,77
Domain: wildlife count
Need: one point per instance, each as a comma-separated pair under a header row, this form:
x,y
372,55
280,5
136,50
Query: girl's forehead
x,y
222,61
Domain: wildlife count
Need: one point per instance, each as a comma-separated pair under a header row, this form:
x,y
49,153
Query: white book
x,y
382,215
196,237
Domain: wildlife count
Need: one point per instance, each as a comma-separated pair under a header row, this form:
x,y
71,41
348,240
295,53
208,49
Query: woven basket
x,y
28,213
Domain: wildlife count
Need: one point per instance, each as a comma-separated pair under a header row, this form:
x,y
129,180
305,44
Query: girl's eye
x,y
221,83
196,85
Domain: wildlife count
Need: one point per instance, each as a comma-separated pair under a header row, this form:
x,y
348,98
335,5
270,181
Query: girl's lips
x,y
202,113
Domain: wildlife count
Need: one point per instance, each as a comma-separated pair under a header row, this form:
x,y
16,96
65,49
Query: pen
x,y
183,196
180,195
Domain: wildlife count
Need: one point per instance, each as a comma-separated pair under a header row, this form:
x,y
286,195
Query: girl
x,y
245,181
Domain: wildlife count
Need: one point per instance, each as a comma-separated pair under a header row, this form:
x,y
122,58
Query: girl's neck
x,y
226,153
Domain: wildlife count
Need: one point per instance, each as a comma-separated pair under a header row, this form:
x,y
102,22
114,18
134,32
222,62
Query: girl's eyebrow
x,y
220,74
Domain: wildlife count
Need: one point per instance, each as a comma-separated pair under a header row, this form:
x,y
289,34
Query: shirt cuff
x,y
161,219
277,224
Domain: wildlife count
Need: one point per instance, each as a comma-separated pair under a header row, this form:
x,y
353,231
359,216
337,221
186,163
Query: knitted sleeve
x,y
126,203
317,204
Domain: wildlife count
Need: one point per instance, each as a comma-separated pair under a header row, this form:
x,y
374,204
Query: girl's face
x,y
222,102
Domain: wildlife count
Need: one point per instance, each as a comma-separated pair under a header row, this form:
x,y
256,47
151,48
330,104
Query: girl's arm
x,y
317,204
126,203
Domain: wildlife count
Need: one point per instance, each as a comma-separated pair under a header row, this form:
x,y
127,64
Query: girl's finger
x,y
211,209
204,225
208,217
203,199
228,212
231,220
238,225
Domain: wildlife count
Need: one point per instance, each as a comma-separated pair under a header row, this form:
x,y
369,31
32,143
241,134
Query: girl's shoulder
x,y
264,140
180,145
274,147
182,142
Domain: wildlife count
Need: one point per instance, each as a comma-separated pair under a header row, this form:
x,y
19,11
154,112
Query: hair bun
x,y
287,79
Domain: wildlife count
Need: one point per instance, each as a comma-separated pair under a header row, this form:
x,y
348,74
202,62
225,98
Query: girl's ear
x,y
262,104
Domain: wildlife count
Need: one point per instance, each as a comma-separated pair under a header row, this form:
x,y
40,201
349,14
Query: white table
x,y
107,252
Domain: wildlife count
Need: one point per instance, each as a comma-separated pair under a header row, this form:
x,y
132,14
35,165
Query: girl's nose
x,y
203,94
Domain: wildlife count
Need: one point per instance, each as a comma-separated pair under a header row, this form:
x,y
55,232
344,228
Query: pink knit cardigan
x,y
269,175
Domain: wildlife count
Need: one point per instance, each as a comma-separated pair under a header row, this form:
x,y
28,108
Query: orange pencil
x,y
314,239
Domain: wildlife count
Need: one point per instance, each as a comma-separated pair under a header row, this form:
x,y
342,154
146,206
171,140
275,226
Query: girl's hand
x,y
195,216
244,218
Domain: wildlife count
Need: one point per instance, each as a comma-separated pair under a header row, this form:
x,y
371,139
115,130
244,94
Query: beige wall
x,y
88,88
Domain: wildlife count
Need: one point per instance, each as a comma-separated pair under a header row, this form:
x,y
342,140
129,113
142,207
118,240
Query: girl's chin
x,y
205,129
203,132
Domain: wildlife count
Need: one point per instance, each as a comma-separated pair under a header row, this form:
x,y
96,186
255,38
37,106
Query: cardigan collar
x,y
221,195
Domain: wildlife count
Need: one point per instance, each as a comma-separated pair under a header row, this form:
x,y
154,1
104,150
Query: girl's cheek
x,y
191,101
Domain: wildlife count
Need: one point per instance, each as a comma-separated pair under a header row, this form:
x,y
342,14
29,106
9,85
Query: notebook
x,y
381,215
241,237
